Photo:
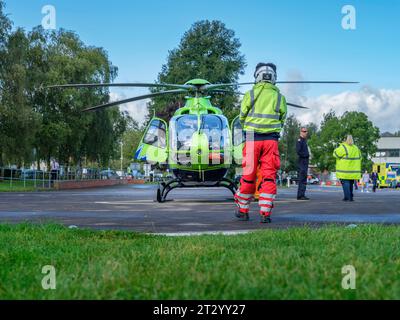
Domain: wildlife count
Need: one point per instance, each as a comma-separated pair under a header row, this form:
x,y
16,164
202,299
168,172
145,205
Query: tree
x,y
5,28
389,134
335,129
19,121
130,142
66,133
210,51
287,145
43,123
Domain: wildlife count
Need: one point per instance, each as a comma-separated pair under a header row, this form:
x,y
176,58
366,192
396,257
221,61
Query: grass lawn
x,y
297,263
20,186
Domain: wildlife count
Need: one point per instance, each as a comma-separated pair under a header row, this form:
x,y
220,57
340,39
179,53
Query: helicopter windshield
x,y
156,134
182,130
216,129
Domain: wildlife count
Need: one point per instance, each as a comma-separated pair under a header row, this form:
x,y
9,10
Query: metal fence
x,y
11,178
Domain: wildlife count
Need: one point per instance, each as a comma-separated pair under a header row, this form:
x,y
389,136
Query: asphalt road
x,y
192,210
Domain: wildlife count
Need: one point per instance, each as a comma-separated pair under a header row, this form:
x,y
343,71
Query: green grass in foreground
x,y
298,263
20,186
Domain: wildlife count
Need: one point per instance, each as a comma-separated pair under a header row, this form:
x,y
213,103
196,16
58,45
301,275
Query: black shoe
x,y
352,200
303,198
345,200
241,216
265,219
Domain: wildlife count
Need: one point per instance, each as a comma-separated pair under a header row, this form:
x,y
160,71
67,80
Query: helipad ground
x,y
192,210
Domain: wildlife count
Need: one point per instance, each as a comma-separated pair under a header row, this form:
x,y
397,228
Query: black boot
x,y
241,216
265,219
303,198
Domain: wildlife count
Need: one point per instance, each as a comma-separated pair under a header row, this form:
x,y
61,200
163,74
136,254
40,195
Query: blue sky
x,y
302,37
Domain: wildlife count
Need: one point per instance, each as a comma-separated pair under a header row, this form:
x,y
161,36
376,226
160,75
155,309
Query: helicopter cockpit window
x,y
238,134
182,130
156,134
216,129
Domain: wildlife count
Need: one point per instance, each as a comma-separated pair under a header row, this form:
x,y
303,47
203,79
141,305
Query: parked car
x,y
108,174
89,173
312,180
31,174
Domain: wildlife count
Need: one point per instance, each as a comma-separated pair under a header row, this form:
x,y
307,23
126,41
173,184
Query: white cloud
x,y
382,106
137,109
296,92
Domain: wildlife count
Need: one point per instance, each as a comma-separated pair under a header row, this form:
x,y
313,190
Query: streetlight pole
x,y
122,155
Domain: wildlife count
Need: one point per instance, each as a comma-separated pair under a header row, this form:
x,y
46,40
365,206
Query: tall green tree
x,y
44,123
5,28
334,131
66,133
208,50
19,121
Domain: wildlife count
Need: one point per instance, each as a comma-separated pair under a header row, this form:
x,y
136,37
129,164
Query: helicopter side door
x,y
238,140
154,145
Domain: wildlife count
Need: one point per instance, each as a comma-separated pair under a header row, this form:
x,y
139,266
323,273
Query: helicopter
x,y
198,145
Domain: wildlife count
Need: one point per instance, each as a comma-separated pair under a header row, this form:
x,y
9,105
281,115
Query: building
x,y
388,150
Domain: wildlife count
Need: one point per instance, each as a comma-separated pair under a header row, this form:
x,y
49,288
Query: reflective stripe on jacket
x,y
348,162
263,109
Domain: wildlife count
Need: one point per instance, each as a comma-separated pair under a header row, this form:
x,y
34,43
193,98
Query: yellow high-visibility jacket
x,y
348,162
263,109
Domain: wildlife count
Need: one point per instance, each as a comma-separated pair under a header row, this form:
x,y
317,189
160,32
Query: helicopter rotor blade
x,y
131,85
318,82
216,86
146,96
226,91
242,94
296,105
221,85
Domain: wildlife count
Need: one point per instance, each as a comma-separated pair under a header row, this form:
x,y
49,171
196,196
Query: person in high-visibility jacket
x,y
348,166
262,115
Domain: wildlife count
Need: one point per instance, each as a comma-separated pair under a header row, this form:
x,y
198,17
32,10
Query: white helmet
x,y
265,72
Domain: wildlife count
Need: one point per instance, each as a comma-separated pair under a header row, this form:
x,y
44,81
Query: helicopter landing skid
x,y
166,187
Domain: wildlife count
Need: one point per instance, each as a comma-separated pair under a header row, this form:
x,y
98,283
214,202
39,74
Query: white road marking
x,y
194,224
124,202
200,233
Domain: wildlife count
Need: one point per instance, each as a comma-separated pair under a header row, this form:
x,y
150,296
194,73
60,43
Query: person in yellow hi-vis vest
x,y
262,115
348,166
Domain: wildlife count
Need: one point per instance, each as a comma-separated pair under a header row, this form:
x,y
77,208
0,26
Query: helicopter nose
x,y
199,149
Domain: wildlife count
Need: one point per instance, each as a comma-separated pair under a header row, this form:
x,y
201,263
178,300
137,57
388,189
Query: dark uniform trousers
x,y
303,170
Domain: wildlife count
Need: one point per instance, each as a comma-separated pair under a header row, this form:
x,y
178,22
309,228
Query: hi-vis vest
x,y
263,109
348,162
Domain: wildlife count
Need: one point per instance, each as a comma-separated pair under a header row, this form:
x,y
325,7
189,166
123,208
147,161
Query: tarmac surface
x,y
205,210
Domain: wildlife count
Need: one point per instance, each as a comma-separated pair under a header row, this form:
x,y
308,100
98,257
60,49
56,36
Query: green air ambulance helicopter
x,y
198,145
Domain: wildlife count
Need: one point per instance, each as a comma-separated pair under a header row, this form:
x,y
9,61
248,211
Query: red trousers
x,y
263,154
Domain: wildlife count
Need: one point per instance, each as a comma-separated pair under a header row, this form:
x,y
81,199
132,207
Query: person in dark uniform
x,y
304,156
374,178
